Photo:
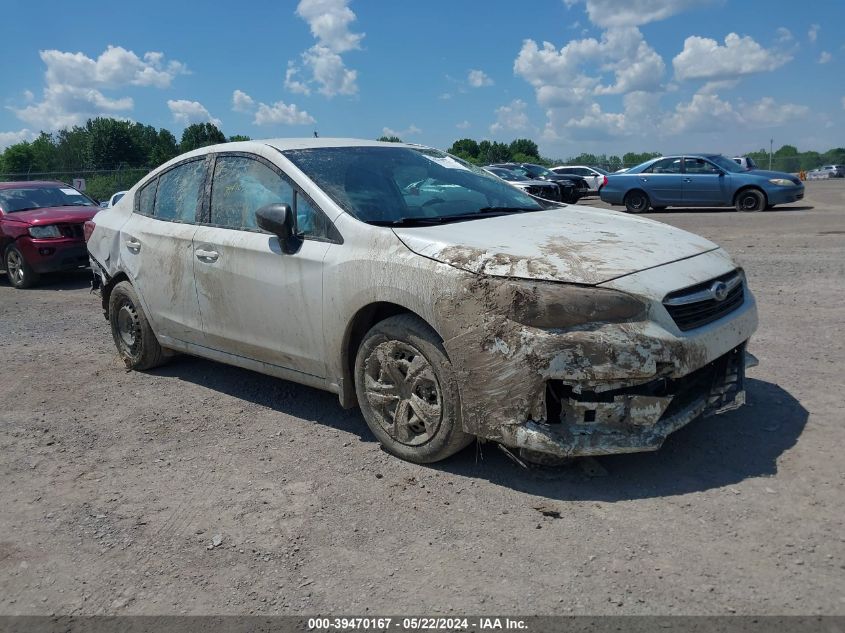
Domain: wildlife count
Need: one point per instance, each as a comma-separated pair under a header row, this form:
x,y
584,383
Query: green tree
x,y
525,146
238,137
464,147
17,159
631,158
165,148
43,153
389,139
113,143
200,135
72,148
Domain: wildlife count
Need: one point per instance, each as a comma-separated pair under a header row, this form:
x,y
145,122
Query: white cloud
x,y
825,57
10,138
511,117
709,113
322,65
445,96
562,77
74,84
704,58
187,112
281,112
410,131
329,21
478,79
613,13
242,102
813,33
784,35
464,125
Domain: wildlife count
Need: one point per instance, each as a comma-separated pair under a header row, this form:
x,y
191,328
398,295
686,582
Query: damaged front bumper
x,y
633,419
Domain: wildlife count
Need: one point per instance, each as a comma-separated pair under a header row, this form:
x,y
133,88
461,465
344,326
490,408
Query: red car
x,y
41,229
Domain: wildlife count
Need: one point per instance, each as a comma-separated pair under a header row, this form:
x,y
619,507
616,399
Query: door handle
x,y
687,179
206,256
133,245
643,179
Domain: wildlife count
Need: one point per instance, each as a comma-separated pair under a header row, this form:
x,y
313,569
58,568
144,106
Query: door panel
x,y
259,303
704,184
158,253
663,182
160,260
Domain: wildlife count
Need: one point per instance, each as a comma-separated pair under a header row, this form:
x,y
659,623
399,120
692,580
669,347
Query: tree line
x,y
102,145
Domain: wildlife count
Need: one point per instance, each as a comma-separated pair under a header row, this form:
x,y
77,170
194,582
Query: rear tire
x,y
134,338
408,392
637,201
750,200
18,271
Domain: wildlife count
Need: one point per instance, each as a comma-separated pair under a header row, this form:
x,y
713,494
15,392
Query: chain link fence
x,y
100,184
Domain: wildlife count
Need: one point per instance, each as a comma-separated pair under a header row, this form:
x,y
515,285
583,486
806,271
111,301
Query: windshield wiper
x,y
484,212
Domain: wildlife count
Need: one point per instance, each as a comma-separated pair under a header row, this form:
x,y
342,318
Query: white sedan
x,y
595,176
447,304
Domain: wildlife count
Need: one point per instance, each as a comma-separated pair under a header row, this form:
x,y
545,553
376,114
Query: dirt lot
x,y
114,484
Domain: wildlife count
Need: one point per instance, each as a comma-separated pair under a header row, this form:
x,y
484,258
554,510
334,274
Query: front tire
x,y
135,340
18,271
637,201
408,392
750,200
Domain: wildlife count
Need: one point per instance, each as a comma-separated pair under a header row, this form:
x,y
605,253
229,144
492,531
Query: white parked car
x,y
458,309
596,177
115,199
746,162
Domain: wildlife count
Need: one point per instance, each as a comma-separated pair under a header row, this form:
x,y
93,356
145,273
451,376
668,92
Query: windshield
x,y
25,198
505,174
536,170
395,184
601,171
725,163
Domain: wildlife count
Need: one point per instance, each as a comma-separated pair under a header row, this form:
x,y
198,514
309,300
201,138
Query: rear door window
x,y
178,195
147,198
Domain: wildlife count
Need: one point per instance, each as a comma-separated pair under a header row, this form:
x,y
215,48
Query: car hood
x,y
771,174
540,183
53,215
573,244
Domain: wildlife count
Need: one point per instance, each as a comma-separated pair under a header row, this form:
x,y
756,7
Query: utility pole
x,y
771,143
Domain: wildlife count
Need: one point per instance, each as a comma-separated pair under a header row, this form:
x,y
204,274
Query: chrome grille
x,y
706,302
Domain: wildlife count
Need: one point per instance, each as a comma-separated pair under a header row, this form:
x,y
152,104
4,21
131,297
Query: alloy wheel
x,y
14,267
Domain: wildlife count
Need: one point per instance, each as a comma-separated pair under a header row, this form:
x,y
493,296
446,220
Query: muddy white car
x,y
456,310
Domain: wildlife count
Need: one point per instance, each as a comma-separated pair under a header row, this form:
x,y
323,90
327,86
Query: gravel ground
x,y
116,486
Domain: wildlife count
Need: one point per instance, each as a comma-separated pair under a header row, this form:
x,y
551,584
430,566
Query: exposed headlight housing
x,y
782,182
558,305
51,230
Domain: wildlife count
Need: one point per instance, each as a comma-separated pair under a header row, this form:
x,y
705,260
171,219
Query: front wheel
x,y
636,202
20,273
408,391
750,200
135,340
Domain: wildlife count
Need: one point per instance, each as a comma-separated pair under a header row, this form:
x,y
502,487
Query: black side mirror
x,y
278,219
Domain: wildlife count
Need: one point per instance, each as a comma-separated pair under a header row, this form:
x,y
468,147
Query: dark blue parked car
x,y
699,180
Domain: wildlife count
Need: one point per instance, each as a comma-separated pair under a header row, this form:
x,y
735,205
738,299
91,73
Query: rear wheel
x,y
750,200
408,391
636,201
20,273
135,340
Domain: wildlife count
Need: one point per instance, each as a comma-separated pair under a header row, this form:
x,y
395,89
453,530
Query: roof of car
x,y
20,184
310,143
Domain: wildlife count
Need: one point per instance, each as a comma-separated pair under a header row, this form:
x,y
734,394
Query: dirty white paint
x,y
593,280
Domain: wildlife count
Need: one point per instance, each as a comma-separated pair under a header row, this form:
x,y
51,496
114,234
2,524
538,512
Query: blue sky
x,y
575,75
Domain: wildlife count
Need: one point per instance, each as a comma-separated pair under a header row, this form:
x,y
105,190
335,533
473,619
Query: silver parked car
x,y
444,302
826,171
